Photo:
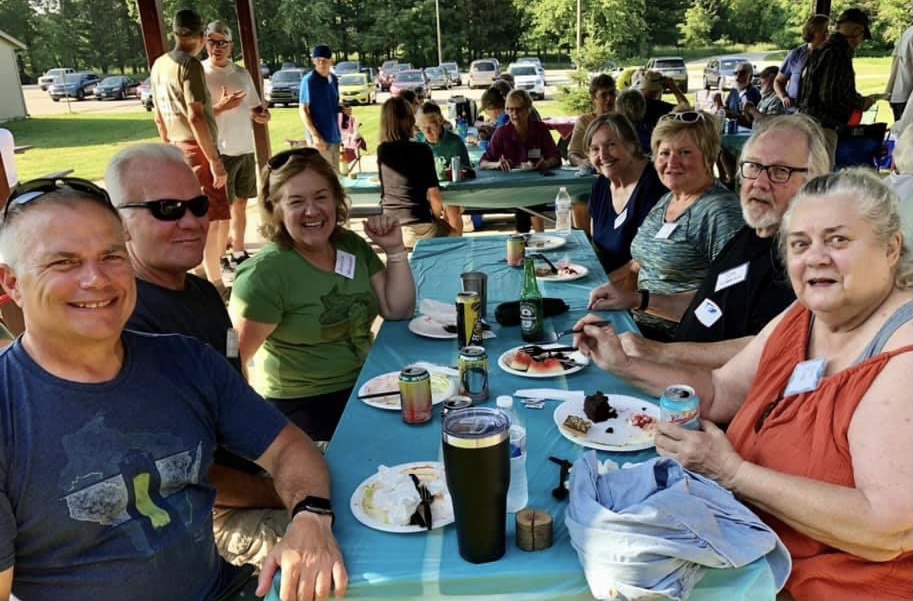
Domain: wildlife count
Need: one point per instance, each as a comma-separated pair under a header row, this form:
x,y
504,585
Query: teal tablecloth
x,y
733,143
427,565
489,190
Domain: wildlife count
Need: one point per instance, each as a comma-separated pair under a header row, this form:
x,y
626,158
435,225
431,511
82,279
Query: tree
x,y
698,24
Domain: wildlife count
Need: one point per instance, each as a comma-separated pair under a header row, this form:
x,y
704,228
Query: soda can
x,y
474,373
455,403
455,172
469,319
415,395
732,126
516,250
680,405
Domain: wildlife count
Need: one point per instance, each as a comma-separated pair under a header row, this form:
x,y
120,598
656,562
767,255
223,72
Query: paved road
x,y
39,104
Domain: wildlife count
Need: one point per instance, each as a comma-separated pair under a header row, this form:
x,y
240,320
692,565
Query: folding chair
x,y
352,145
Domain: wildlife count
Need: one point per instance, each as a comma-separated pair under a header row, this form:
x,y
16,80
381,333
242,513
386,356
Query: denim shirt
x,y
651,531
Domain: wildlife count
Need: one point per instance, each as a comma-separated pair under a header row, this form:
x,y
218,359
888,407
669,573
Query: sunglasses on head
x,y
167,209
278,161
34,189
684,117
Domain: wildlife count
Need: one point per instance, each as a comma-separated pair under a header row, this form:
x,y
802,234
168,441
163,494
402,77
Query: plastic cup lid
x,y
475,427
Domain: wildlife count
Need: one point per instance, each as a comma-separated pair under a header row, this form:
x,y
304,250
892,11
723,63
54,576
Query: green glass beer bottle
x,y
531,313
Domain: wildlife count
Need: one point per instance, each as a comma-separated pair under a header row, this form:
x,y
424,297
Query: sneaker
x,y
238,258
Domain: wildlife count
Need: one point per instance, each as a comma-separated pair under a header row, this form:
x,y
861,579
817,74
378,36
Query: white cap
x,y
504,401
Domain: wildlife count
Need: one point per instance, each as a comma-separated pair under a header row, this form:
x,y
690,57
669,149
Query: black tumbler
x,y
477,465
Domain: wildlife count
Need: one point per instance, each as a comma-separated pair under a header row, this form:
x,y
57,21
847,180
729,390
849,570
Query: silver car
x,y
482,73
672,67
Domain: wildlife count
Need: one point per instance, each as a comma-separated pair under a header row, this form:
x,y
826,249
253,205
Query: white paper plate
x,y
427,471
504,363
559,277
442,388
624,437
429,327
540,242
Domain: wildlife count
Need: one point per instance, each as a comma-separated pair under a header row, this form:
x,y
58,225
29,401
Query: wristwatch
x,y
318,505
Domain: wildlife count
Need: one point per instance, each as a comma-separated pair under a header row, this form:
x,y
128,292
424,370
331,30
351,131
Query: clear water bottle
x,y
563,212
518,493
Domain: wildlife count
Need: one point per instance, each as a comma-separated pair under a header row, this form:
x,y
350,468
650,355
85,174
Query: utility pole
x,y
437,14
579,37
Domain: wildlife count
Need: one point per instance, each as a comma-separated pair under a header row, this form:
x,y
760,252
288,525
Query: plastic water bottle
x,y
563,212
518,493
462,128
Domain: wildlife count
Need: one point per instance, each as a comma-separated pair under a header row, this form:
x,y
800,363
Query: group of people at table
x,y
787,307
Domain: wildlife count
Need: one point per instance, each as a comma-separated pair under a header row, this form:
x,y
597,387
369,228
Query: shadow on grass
x,y
82,130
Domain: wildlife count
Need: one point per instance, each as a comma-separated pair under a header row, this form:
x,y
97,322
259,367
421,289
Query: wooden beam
x,y
247,31
153,25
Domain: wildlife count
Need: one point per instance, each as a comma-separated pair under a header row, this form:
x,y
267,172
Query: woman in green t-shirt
x,y
309,297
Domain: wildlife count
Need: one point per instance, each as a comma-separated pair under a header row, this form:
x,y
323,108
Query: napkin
x,y
556,394
445,313
395,496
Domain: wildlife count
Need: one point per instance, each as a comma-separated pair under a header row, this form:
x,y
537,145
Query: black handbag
x,y
508,314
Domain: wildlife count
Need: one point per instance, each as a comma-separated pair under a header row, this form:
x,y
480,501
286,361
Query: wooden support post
x,y
153,25
247,31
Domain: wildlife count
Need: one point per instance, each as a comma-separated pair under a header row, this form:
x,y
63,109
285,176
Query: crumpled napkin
x,y
445,313
556,394
395,496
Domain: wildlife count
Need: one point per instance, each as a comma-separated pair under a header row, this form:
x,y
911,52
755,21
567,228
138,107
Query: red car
x,y
144,93
411,79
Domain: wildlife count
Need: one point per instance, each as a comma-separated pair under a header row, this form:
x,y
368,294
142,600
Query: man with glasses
x,y
165,223
746,286
238,107
318,106
742,95
184,116
109,433
828,91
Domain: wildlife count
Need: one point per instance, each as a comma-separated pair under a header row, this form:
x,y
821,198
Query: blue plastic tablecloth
x,y
428,565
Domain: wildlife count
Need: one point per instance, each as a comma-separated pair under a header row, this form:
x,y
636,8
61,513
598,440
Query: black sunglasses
x,y
218,43
278,161
168,209
32,190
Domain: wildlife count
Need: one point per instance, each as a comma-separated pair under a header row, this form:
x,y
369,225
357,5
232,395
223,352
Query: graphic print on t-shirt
x,y
143,487
347,316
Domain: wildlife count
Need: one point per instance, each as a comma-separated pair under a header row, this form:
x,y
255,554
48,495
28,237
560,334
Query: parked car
x,y
119,87
438,78
264,70
409,79
282,87
453,69
357,88
672,67
75,85
527,77
720,72
144,93
45,81
344,67
385,74
390,73
482,73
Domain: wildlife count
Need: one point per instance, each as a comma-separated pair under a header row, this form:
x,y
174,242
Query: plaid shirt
x,y
828,90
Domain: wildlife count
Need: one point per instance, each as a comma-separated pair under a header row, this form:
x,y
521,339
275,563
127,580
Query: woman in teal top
x,y
309,297
683,233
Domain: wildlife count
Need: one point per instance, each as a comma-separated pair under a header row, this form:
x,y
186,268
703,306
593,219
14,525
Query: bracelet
x,y
644,299
399,257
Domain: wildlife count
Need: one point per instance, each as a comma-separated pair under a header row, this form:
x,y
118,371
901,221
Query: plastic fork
x,y
598,324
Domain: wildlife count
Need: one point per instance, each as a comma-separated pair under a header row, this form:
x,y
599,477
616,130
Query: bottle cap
x,y
504,401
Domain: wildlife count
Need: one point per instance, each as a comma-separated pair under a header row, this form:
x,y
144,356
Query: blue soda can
x,y
681,406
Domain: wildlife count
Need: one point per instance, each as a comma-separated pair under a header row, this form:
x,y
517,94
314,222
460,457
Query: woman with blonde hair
x,y
410,190
311,294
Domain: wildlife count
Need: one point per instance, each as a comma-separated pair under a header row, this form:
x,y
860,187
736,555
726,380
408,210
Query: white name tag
x,y
731,277
621,218
345,264
806,377
666,230
533,154
708,313
231,343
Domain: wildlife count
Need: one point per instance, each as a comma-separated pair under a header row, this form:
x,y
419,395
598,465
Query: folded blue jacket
x,y
651,531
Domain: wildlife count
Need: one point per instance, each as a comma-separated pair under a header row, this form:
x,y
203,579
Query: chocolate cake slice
x,y
596,407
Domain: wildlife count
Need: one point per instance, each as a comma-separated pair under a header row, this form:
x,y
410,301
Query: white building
x,y
12,102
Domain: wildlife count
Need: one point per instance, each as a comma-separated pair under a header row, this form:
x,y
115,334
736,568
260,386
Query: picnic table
x,y
733,143
427,565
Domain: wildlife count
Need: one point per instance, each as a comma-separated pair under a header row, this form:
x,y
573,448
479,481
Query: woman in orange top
x,y
820,441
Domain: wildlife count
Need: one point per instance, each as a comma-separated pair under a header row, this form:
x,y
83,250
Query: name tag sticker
x,y
806,377
666,230
534,154
231,343
345,264
621,218
731,277
708,313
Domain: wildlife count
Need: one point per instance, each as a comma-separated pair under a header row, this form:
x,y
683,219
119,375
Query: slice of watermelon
x,y
520,361
546,367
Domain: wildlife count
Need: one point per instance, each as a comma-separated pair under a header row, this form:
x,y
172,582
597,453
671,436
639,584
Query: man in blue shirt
x,y
741,94
318,105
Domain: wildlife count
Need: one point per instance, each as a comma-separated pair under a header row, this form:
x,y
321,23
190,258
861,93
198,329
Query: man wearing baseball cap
x,y
184,117
318,105
651,84
828,90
